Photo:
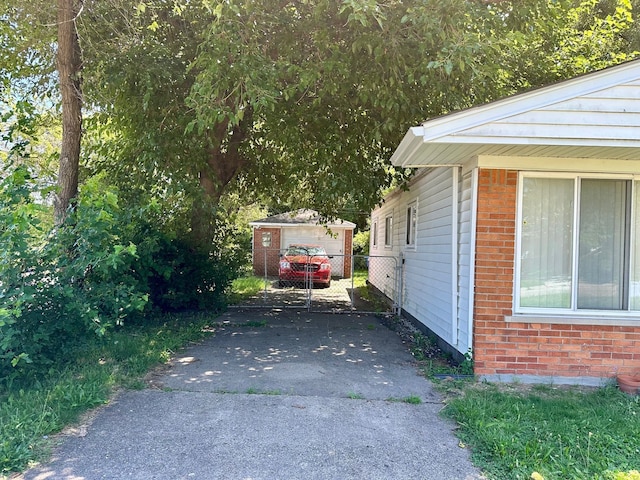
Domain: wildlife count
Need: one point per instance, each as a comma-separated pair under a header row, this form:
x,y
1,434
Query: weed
x,y
411,399
255,391
355,396
254,323
421,345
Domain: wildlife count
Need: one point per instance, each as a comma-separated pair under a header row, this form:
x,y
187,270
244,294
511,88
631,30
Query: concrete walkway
x,y
278,395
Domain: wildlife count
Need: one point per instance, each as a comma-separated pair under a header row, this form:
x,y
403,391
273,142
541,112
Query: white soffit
x,y
601,121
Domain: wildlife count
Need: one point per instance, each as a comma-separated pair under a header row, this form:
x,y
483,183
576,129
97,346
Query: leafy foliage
x,y
105,265
55,291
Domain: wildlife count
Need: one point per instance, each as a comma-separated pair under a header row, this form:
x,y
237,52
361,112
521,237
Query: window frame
x,y
411,225
388,231
541,312
374,233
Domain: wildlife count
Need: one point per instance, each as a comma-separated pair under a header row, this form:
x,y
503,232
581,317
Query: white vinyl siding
x,y
609,116
430,278
466,238
429,269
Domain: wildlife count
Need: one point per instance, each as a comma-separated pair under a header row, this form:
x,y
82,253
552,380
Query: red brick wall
x,y
348,250
272,253
531,348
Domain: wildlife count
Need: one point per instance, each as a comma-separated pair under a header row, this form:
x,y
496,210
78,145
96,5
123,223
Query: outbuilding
x,y
272,235
520,232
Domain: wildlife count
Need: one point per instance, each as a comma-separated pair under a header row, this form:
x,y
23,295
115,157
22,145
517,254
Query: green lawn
x,y
245,287
515,432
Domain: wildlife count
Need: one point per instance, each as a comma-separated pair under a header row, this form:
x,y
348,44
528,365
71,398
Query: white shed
x,y
272,235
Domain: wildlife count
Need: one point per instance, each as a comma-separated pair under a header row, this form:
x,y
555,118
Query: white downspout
x,y
472,251
454,257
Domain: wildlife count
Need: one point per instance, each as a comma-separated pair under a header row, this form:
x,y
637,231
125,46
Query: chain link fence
x,y
331,282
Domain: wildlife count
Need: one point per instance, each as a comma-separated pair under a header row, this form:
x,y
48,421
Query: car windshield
x,y
299,250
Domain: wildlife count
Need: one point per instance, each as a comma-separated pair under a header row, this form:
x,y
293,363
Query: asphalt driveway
x,y
275,395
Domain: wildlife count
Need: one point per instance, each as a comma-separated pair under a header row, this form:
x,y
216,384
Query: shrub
x,y
105,265
58,288
361,247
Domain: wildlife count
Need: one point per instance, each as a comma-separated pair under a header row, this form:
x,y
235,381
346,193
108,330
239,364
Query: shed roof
x,y
595,115
300,217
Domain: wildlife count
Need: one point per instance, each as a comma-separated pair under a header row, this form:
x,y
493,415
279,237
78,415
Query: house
x,y
520,232
272,235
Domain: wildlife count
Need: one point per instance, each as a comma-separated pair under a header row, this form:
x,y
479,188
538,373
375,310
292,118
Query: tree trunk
x,y
222,167
69,63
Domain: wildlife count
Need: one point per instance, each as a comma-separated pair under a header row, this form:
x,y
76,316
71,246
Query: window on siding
x,y
412,220
388,231
374,233
577,244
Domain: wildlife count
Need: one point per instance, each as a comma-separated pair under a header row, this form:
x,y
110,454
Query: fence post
x,y
266,252
400,283
353,291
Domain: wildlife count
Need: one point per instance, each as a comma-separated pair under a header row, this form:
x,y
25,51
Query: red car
x,y
305,263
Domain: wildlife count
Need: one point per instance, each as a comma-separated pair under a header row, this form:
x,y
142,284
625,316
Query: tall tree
x,y
302,102
69,64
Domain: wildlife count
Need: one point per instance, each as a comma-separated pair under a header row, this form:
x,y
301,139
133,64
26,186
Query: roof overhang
x,y
345,224
457,138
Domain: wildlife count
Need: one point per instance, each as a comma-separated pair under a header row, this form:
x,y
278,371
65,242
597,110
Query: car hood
x,y
305,259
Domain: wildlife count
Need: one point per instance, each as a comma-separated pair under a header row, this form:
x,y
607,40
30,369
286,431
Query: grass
x,y
411,400
255,391
360,278
31,412
560,433
245,287
515,431
367,293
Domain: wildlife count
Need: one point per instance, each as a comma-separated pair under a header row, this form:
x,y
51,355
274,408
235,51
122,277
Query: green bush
x,y
58,287
105,265
361,247
184,278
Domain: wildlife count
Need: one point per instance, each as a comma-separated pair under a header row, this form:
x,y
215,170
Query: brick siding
x,y
348,251
531,348
272,253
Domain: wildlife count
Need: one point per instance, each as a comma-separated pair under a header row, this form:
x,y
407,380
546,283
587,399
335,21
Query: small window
x,y
374,233
266,239
412,220
388,231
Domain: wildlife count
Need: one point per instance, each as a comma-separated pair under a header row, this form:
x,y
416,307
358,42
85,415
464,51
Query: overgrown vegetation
x,y
104,267
31,410
518,432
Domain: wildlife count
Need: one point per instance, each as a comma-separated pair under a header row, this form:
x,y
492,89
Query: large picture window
x,y
577,241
